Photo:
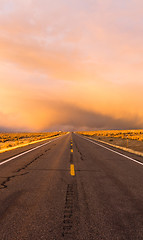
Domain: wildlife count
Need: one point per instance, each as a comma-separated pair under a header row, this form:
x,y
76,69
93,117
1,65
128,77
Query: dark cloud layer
x,y
74,118
69,117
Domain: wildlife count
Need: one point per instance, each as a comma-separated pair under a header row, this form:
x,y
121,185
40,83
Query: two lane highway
x,y
71,188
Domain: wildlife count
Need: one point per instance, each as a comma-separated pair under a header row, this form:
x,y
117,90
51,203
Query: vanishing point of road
x,y
71,187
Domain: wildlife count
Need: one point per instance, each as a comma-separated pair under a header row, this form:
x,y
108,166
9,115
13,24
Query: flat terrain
x,y
40,199
130,139
10,141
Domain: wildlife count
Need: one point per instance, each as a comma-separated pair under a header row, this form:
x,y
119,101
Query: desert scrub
x,y
123,134
8,140
131,139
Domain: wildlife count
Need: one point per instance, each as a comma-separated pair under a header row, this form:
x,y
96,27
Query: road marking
x,y
132,159
71,150
12,158
72,171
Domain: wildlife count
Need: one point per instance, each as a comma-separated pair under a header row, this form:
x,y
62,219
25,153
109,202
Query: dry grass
x,y
11,140
131,139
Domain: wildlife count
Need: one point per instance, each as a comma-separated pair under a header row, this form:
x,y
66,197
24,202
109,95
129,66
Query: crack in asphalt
x,y
4,183
81,155
26,165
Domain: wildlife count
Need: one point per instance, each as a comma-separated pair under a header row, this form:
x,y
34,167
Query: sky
x,y
71,65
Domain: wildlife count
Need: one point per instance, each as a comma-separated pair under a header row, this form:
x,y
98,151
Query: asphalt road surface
x,y
71,190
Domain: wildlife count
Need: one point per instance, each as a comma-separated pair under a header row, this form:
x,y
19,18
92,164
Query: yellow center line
x,y
72,171
71,150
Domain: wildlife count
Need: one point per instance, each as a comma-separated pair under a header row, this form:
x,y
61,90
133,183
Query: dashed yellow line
x,y
72,171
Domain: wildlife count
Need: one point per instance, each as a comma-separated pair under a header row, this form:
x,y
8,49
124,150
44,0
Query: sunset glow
x,y
71,65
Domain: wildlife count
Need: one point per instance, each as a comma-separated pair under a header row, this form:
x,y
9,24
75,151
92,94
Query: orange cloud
x,y
58,61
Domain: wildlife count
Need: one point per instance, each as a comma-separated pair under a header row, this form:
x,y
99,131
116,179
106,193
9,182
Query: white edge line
x,y
8,160
112,150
